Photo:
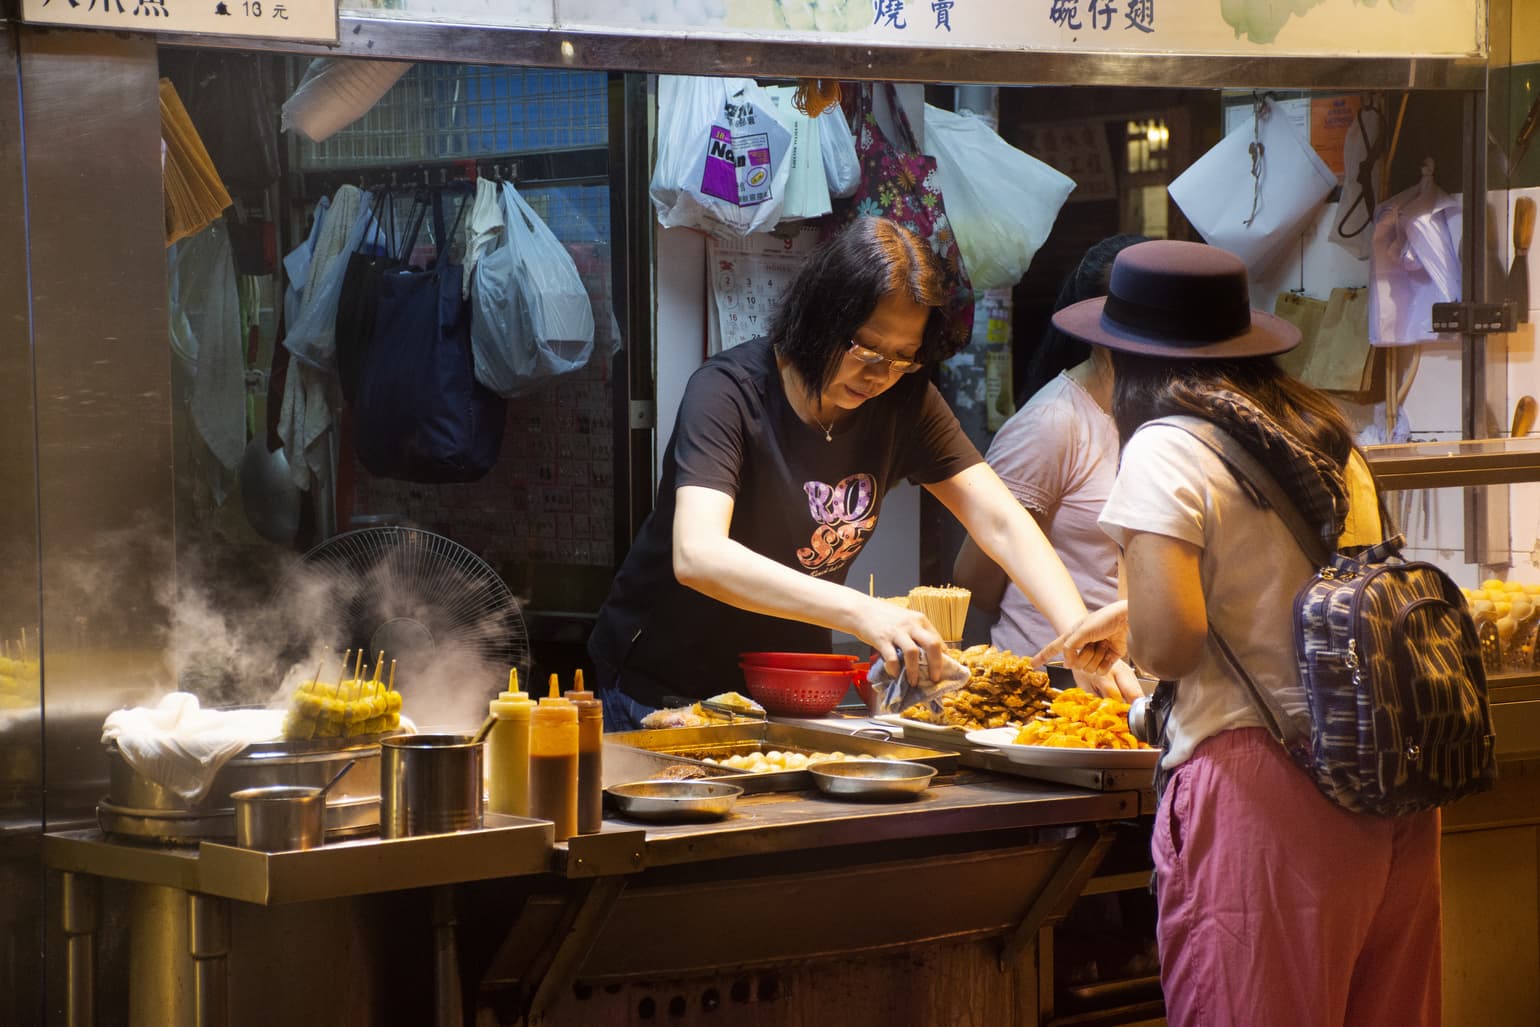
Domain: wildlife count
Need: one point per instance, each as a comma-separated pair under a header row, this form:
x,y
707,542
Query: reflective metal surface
x,y
98,278
21,724
401,39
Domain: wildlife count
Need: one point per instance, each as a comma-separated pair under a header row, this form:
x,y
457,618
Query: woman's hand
x,y
1118,683
1094,644
899,635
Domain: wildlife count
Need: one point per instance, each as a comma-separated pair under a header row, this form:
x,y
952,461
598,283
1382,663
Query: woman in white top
x,y
1276,905
1058,455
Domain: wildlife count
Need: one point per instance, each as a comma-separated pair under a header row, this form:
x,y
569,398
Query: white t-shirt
x,y
1058,455
1171,484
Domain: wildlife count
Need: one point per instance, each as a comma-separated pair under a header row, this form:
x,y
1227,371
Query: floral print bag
x,y
900,183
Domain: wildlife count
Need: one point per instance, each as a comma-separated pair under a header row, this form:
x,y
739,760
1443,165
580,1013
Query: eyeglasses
x,y
872,358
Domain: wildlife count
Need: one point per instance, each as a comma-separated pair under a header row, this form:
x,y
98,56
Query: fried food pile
x,y
1002,689
1080,720
698,715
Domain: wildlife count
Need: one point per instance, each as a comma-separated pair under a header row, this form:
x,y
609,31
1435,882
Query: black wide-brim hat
x,y
1182,300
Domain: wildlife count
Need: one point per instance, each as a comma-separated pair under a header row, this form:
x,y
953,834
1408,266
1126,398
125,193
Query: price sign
x,y
309,20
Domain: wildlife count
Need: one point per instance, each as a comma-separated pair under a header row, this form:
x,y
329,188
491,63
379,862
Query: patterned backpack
x,y
1390,664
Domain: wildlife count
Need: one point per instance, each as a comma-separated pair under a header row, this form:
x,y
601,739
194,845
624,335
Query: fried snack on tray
x,y
1003,690
1081,720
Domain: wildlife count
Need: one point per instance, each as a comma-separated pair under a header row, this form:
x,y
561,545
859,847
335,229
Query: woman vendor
x,y
773,481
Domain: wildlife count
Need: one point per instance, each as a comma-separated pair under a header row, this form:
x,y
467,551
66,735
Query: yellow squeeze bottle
x,y
508,750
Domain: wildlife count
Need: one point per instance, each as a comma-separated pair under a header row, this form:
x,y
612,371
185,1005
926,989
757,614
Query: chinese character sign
x,y
309,20
1206,27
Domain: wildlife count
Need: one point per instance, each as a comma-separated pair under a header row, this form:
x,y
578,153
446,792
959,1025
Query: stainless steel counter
x,y
780,822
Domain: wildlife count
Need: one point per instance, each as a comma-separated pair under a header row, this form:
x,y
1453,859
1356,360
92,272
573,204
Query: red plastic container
x,y
799,661
789,692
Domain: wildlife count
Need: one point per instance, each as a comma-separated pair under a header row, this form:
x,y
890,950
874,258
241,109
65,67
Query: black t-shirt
x,y
798,499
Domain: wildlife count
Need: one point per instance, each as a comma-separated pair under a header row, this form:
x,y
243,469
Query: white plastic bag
x,y
722,156
807,190
1254,207
841,166
531,318
1001,202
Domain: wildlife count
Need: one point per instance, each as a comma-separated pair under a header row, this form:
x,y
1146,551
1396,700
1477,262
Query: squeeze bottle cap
x,y
513,692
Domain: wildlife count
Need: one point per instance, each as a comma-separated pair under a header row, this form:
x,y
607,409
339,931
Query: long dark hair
x,y
1146,387
838,288
1058,351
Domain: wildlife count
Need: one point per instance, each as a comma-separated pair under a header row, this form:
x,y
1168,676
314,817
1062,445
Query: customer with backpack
x,y
1277,905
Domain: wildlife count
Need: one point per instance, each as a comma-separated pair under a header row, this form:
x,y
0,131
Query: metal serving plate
x,y
694,743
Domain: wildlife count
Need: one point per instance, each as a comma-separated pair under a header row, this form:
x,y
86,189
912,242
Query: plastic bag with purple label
x,y
723,156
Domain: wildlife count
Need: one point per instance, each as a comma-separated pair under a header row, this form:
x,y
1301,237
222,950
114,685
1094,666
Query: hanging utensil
x,y
1518,273
1523,416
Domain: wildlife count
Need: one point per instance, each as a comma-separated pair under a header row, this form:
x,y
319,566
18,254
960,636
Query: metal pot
x,y
281,818
430,784
139,807
278,818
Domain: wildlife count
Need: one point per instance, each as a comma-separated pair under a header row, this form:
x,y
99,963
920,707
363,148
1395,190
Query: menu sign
x,y
300,20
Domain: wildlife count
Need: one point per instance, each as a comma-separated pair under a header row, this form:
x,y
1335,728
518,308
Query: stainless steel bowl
x,y
674,800
872,779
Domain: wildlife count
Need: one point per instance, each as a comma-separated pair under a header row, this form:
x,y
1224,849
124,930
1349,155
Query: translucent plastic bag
x,y
1002,202
531,317
841,165
706,126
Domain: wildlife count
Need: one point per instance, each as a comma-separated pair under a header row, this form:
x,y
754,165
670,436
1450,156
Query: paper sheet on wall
x,y
748,276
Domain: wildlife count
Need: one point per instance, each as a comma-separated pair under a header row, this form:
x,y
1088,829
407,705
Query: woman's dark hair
x,y
1057,351
838,288
1146,387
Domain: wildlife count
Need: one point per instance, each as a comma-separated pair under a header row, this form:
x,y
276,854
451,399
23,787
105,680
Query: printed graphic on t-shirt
x,y
844,515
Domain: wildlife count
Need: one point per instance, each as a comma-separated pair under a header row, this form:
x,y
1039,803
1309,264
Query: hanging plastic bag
x,y
1002,202
531,317
1254,192
841,166
722,156
807,190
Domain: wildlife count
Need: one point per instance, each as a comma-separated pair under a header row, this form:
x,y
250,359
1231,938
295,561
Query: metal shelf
x,y
1450,464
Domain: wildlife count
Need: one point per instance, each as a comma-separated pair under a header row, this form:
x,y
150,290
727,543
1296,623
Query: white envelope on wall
x,y
1224,189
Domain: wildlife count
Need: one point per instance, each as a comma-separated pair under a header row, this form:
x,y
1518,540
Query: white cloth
x,y
306,414
1059,455
207,334
1171,484
1414,262
181,746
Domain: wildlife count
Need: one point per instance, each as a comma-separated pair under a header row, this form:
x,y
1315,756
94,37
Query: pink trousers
x,y
1280,909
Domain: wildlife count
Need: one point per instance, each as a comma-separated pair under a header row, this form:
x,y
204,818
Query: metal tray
x,y
693,743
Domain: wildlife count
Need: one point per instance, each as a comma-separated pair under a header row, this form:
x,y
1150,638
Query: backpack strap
x,y
1256,479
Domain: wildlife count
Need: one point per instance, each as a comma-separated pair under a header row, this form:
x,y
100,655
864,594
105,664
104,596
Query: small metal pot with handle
x,y
282,818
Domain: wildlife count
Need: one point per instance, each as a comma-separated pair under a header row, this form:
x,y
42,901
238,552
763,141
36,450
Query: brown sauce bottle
x,y
553,763
590,816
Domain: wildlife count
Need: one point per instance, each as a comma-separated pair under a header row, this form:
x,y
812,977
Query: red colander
x,y
789,692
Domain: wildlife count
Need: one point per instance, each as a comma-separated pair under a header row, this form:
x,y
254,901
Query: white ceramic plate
x,y
1003,739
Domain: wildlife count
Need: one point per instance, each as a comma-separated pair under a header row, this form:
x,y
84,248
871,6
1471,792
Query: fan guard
x,y
424,599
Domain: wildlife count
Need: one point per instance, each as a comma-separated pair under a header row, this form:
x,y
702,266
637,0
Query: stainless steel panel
x,y
97,263
21,725
402,39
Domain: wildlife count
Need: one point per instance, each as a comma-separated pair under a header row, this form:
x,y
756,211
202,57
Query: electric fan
x,y
432,606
